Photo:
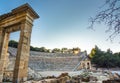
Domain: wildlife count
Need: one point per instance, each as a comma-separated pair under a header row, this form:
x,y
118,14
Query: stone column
x,y
6,50
90,64
21,63
4,38
1,64
1,36
1,39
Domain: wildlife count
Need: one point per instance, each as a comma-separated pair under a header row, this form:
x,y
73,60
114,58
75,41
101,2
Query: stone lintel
x,y
26,7
22,8
18,15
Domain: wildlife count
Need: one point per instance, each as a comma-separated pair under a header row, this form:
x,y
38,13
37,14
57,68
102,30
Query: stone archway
x,y
19,19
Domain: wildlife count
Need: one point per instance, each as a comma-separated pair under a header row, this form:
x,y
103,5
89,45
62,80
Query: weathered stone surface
x,y
40,61
19,19
116,76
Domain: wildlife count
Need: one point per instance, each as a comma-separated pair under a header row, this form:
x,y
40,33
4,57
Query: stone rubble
x,y
83,77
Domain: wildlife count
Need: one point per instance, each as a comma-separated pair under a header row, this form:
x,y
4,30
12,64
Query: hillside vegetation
x,y
13,43
106,59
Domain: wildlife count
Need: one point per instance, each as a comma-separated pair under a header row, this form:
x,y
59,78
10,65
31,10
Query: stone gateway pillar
x,y
19,19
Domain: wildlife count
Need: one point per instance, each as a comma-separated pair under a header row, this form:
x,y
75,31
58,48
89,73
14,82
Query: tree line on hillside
x,y
13,43
104,59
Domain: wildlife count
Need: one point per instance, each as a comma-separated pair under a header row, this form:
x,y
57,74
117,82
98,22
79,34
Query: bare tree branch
x,y
110,16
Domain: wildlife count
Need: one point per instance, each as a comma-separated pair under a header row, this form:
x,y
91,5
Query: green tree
x,y
48,50
109,51
42,49
56,50
92,53
13,43
105,59
63,50
31,48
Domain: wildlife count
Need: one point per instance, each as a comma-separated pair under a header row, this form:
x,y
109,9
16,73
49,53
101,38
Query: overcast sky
x,y
63,23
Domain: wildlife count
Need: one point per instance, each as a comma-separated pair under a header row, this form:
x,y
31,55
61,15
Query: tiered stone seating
x,y
53,63
40,61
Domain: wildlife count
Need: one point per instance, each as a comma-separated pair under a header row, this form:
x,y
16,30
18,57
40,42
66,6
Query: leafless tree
x,y
110,15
